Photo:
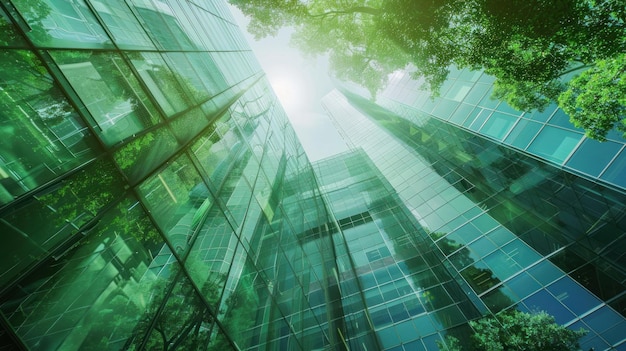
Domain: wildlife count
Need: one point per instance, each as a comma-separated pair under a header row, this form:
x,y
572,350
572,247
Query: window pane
x,y
168,196
42,135
593,156
498,125
27,240
523,133
616,173
163,83
69,24
123,25
92,297
554,144
145,153
10,35
110,91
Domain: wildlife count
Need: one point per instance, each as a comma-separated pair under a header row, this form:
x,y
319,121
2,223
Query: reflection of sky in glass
x,y
299,84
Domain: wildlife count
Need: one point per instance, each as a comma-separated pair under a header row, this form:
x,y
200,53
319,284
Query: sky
x,y
300,83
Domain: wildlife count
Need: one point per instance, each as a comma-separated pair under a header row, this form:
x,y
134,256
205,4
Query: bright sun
x,y
290,90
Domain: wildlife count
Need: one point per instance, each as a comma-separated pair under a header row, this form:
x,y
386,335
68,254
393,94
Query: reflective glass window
x,y
145,153
182,320
616,173
69,24
242,301
64,210
42,135
523,285
477,123
544,301
559,118
592,156
162,25
523,132
445,109
476,94
172,91
10,36
572,295
177,200
126,30
112,94
461,113
541,116
498,125
94,295
554,144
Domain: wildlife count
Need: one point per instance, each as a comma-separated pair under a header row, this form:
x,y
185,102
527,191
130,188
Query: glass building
x,y
153,196
465,101
515,231
151,187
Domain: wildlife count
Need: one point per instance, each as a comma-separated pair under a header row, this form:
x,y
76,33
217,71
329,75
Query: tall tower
x,y
150,184
515,231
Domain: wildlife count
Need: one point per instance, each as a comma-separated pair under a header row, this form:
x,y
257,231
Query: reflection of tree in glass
x,y
481,279
239,315
85,193
515,330
183,322
34,11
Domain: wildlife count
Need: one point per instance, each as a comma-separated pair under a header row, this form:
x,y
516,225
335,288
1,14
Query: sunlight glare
x,y
290,91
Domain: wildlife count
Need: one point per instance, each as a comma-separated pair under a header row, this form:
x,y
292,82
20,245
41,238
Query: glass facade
x,y
151,188
515,231
465,101
153,196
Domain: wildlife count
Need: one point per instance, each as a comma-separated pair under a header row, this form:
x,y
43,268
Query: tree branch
x,y
351,10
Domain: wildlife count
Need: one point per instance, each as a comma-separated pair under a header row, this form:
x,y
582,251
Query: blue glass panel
x,y
562,120
616,173
573,295
380,317
431,342
424,325
480,119
594,342
545,272
554,144
389,337
501,236
445,109
501,265
523,285
414,346
482,247
488,101
603,319
615,334
523,132
521,253
498,125
485,223
544,301
593,156
504,107
461,113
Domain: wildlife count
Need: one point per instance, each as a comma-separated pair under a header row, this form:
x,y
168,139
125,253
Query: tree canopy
x,y
515,330
529,46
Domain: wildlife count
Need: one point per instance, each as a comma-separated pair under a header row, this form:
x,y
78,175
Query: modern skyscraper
x,y
515,231
154,196
151,185
466,101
